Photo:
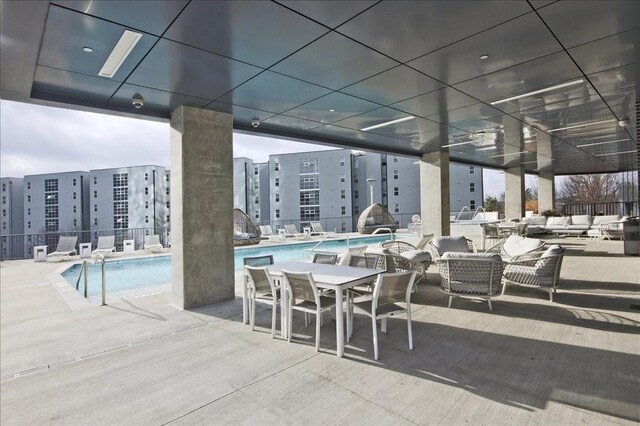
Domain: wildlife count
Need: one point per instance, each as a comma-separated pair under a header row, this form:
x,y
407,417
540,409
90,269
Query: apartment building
x,y
129,197
12,217
308,186
54,202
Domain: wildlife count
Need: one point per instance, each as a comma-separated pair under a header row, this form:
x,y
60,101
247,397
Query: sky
x,y
37,139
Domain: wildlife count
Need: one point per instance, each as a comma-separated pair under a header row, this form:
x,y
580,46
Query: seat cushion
x,y
535,220
417,256
581,219
458,255
559,222
450,244
598,220
577,227
516,246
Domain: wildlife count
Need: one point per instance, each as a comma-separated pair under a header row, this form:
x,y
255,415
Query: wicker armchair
x,y
539,270
471,275
514,247
440,245
407,257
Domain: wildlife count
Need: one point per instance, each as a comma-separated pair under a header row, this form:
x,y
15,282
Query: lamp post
x,y
371,181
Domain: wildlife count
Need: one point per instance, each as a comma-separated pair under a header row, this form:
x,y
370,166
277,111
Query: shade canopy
x,y
245,232
404,77
374,217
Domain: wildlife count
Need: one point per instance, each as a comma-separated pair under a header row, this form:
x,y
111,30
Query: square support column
x,y
434,193
514,192
201,207
546,191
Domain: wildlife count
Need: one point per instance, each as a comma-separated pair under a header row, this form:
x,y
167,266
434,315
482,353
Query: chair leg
x,y
289,322
274,308
450,299
375,337
283,317
409,329
349,317
306,319
383,325
318,320
252,314
551,296
489,301
504,287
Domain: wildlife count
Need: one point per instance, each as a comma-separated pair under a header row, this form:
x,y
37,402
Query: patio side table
x,y
40,254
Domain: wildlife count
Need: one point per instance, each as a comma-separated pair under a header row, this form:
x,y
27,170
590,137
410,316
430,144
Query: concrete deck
x,y
143,361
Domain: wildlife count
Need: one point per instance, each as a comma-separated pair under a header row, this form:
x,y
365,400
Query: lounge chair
x,y
345,259
152,243
105,245
292,231
419,259
66,247
267,232
317,229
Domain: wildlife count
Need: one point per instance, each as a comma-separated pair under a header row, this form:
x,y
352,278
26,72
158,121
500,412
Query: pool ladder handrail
x,y
85,264
322,240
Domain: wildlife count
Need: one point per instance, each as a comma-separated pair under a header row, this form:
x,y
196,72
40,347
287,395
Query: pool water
x,y
152,275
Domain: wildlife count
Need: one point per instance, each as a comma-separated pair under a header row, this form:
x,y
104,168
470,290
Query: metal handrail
x,y
322,240
94,260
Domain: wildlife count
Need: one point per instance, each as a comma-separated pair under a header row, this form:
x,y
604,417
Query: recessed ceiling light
x,y
87,49
616,153
119,53
332,110
388,123
529,162
601,143
535,92
485,56
578,126
487,148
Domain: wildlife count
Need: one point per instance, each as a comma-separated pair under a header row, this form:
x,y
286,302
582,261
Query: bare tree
x,y
599,188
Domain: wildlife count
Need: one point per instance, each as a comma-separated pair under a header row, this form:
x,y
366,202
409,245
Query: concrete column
x,y
546,191
201,207
514,192
434,193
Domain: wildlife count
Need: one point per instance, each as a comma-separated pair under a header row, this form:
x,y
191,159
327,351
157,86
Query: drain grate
x,y
636,307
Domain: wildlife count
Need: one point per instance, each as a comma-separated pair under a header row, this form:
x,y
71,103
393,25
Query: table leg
x,y
339,324
244,299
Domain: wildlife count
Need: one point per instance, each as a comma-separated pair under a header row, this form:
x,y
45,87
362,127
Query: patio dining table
x,y
333,277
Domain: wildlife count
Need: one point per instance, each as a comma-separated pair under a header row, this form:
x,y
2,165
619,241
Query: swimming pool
x,y
152,275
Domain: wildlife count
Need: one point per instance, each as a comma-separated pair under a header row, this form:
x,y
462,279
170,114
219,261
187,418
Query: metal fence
x,y
334,224
20,246
621,208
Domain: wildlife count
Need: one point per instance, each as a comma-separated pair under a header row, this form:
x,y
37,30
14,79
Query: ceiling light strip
x,y
536,92
458,143
601,143
509,154
119,53
616,153
388,123
578,126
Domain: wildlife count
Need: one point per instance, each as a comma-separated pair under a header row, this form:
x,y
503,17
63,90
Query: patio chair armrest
x,y
496,248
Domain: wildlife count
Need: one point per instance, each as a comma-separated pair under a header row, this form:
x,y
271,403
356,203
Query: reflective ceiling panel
x,y
189,71
516,41
347,63
152,16
257,32
405,30
297,65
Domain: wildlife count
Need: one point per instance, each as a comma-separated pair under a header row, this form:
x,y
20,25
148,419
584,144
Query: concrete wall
x,y
12,217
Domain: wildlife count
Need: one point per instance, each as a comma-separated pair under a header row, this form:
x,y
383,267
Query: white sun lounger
x,y
152,243
105,245
66,247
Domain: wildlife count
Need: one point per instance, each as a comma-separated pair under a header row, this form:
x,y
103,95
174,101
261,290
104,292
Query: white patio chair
x,y
302,295
345,259
538,270
389,291
292,231
516,246
267,231
262,287
325,258
105,245
316,228
441,245
152,243
66,247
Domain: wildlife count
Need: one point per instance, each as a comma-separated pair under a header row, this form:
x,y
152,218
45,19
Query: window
x,y
395,174
146,176
146,219
396,191
472,187
166,191
74,196
28,198
95,221
95,180
356,194
29,225
74,209
277,213
50,198
342,178
95,194
146,190
120,194
120,179
383,162
257,216
4,212
29,211
120,208
342,162
343,210
74,181
4,187
472,204
310,198
395,159
472,170
166,177
75,222
51,225
4,199
277,182
255,171
168,204
28,185
277,198
355,164
95,207
50,185
344,227
4,225
396,208
276,166
120,222
256,186
146,204
355,179
343,193
257,200
356,210
168,218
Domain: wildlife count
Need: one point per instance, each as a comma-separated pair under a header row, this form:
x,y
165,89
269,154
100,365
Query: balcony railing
x,y
621,208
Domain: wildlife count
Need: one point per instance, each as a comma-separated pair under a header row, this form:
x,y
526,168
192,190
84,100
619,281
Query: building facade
x,y
12,218
55,202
